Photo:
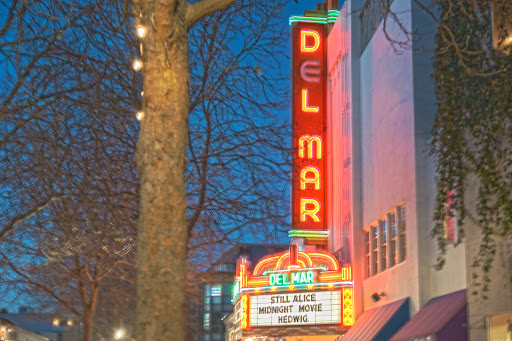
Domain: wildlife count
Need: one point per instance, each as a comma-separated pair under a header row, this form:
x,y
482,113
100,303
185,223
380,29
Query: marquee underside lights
x,y
309,206
294,288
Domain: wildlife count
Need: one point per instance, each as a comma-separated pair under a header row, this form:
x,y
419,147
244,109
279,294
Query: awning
x,y
378,324
442,318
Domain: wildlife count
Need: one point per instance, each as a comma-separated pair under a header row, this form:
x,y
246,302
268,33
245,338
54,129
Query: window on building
x,y
375,250
383,244
402,255
385,241
225,267
206,321
216,290
392,240
500,327
367,254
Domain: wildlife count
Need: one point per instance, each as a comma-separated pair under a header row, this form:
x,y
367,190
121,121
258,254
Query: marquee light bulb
x,y
141,31
140,115
137,64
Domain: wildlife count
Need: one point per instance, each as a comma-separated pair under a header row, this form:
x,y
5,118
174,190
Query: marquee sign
x,y
319,307
294,288
309,206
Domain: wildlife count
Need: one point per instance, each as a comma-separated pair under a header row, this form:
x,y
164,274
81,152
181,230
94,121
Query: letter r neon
x,y
311,212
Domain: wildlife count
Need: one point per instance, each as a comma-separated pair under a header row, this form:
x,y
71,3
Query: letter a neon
x,y
315,179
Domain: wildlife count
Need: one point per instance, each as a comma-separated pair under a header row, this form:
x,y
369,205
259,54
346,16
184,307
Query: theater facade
x,y
361,261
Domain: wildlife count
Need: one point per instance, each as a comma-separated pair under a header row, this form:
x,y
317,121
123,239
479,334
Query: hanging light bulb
x,y
140,115
141,31
137,64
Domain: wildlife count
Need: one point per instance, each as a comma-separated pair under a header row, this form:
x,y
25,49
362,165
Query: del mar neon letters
x,y
309,128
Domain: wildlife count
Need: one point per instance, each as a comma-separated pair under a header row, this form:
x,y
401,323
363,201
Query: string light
x,y
141,31
137,64
140,115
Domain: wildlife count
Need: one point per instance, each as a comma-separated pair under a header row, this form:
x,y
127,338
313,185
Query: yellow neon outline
x,y
348,306
280,266
263,262
304,180
333,260
310,140
305,107
310,33
308,259
311,213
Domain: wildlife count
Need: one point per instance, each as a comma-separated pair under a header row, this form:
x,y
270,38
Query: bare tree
x,y
68,138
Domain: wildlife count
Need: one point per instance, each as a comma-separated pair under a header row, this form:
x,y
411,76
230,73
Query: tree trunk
x,y
160,156
88,326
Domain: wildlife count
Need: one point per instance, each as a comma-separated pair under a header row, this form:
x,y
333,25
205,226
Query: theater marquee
x,y
294,289
319,307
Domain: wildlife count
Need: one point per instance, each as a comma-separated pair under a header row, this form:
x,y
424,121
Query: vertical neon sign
x,y
309,128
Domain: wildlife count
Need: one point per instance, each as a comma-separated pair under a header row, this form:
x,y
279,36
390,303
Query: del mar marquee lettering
x,y
309,128
321,307
292,277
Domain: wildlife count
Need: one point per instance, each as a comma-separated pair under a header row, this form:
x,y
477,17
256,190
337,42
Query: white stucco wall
x,y
388,155
397,111
392,106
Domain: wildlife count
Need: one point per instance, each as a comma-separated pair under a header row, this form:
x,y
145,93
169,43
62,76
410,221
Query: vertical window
x,y
392,240
385,242
216,290
375,250
402,230
367,254
206,321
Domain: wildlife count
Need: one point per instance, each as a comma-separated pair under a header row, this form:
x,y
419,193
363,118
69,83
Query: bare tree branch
x,y
203,8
